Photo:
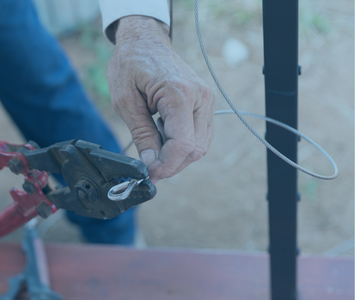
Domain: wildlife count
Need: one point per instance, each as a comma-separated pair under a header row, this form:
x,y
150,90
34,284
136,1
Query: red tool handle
x,y
13,216
29,203
24,208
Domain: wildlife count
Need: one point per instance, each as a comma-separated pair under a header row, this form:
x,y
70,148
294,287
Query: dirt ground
x,y
219,202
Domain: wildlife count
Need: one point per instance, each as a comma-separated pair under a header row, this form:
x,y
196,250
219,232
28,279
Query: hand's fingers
x,y
160,125
203,131
203,120
200,127
133,110
210,120
205,140
209,136
179,131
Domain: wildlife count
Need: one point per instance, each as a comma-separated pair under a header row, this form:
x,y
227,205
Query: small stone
x,y
234,52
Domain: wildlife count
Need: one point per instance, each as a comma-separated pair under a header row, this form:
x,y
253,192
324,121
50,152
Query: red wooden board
x,y
108,272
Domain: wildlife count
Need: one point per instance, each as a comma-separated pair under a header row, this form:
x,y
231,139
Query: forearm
x,y
141,27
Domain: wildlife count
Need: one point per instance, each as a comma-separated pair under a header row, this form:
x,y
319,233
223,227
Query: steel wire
x,y
278,123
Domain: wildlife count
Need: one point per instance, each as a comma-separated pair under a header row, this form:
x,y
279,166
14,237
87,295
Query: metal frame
x,y
281,70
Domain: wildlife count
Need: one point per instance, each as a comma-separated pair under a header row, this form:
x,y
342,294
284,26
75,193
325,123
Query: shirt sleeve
x,y
112,10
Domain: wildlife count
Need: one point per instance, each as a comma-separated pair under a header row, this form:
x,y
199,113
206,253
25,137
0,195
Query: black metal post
x,y
280,23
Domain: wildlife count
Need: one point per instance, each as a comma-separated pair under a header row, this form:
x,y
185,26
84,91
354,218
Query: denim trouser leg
x,y
41,92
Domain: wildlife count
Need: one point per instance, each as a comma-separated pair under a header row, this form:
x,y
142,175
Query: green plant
x,y
309,189
312,19
320,23
92,40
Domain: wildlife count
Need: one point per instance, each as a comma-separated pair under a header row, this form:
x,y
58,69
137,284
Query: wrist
x,y
141,27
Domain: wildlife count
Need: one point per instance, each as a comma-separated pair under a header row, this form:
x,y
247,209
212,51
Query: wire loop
x,y
239,114
127,188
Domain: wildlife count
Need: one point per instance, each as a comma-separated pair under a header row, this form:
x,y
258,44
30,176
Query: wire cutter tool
x,y
92,175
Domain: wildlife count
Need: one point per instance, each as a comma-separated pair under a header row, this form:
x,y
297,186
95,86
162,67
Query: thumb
x,y
148,156
147,140
146,137
143,129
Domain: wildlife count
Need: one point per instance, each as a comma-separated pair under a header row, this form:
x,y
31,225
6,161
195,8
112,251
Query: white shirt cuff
x,y
112,10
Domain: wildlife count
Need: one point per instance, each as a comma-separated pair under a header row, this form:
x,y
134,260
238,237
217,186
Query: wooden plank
x,y
108,272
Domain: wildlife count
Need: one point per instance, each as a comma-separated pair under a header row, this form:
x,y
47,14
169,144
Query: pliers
x,y
89,172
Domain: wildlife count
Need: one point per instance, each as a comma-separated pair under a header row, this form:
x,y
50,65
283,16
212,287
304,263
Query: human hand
x,y
146,76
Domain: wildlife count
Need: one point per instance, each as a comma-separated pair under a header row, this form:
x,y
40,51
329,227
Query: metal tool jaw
x,y
89,171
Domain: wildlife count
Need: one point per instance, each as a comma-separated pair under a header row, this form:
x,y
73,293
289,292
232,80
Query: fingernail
x,y
148,156
155,181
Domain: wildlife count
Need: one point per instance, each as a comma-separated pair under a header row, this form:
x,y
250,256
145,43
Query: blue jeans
x,y
42,94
